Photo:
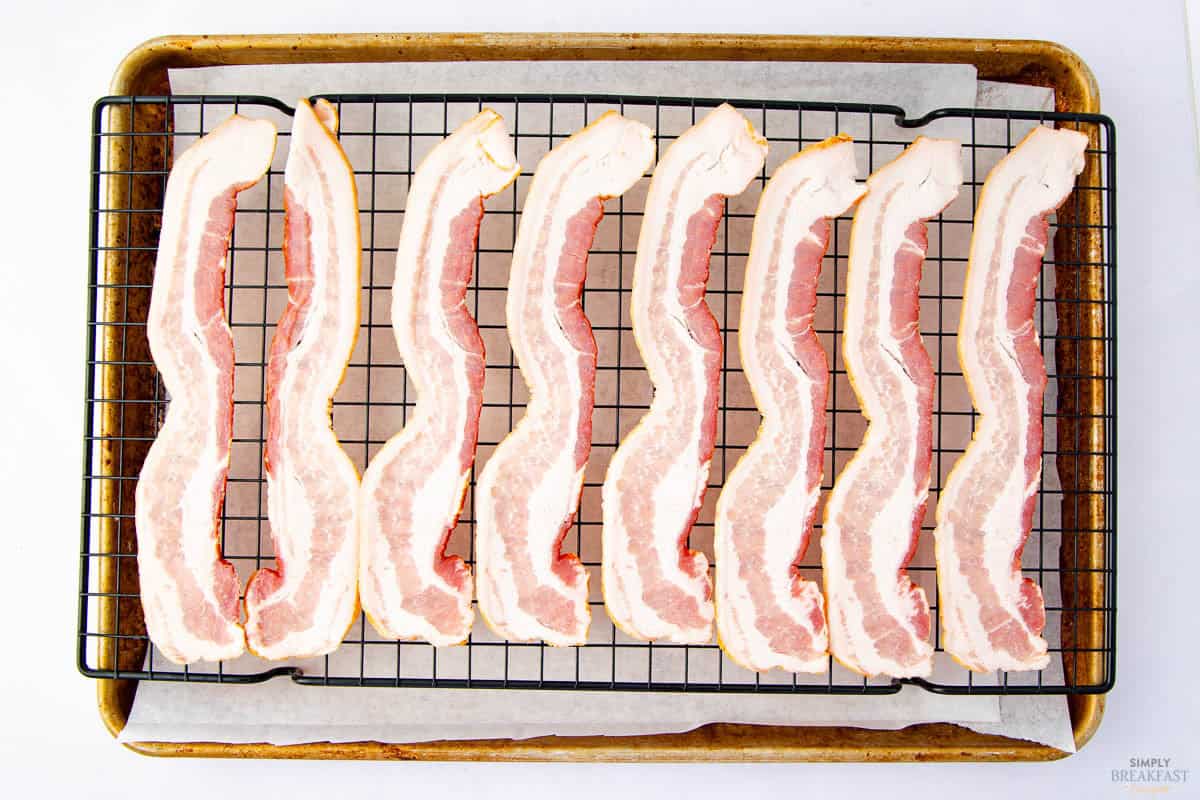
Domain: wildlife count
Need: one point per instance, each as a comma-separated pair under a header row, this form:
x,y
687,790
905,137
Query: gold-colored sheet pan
x,y
144,72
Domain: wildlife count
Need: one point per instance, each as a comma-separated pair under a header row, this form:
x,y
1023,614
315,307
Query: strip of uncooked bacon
x,y
654,586
304,606
414,488
992,618
189,593
878,619
767,615
527,494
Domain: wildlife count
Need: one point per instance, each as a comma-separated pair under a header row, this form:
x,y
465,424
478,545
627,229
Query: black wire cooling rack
x,y
1071,552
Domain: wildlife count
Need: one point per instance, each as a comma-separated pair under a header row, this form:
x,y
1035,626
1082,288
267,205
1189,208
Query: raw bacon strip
x,y
992,618
527,494
767,615
878,619
304,606
654,586
189,593
414,488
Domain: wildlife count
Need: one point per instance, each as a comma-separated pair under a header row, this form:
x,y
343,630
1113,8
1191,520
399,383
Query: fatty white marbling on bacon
x,y
992,618
768,616
189,593
528,492
413,489
654,586
304,605
878,619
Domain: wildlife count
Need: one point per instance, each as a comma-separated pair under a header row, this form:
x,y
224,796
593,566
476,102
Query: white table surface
x,y
57,60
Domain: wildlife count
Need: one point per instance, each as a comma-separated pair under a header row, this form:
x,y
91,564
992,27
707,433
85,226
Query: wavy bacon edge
x,y
959,658
515,169
326,115
719,531
170,649
762,143
499,630
852,379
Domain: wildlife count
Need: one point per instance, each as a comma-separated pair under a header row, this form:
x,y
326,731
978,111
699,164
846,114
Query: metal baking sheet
x,y
259,52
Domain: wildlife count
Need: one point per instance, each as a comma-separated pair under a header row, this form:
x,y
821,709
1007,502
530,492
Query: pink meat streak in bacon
x,y
413,489
529,490
992,617
303,606
878,619
189,593
655,587
767,615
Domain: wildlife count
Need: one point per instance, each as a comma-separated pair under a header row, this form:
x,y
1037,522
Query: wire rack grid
x,y
1071,553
